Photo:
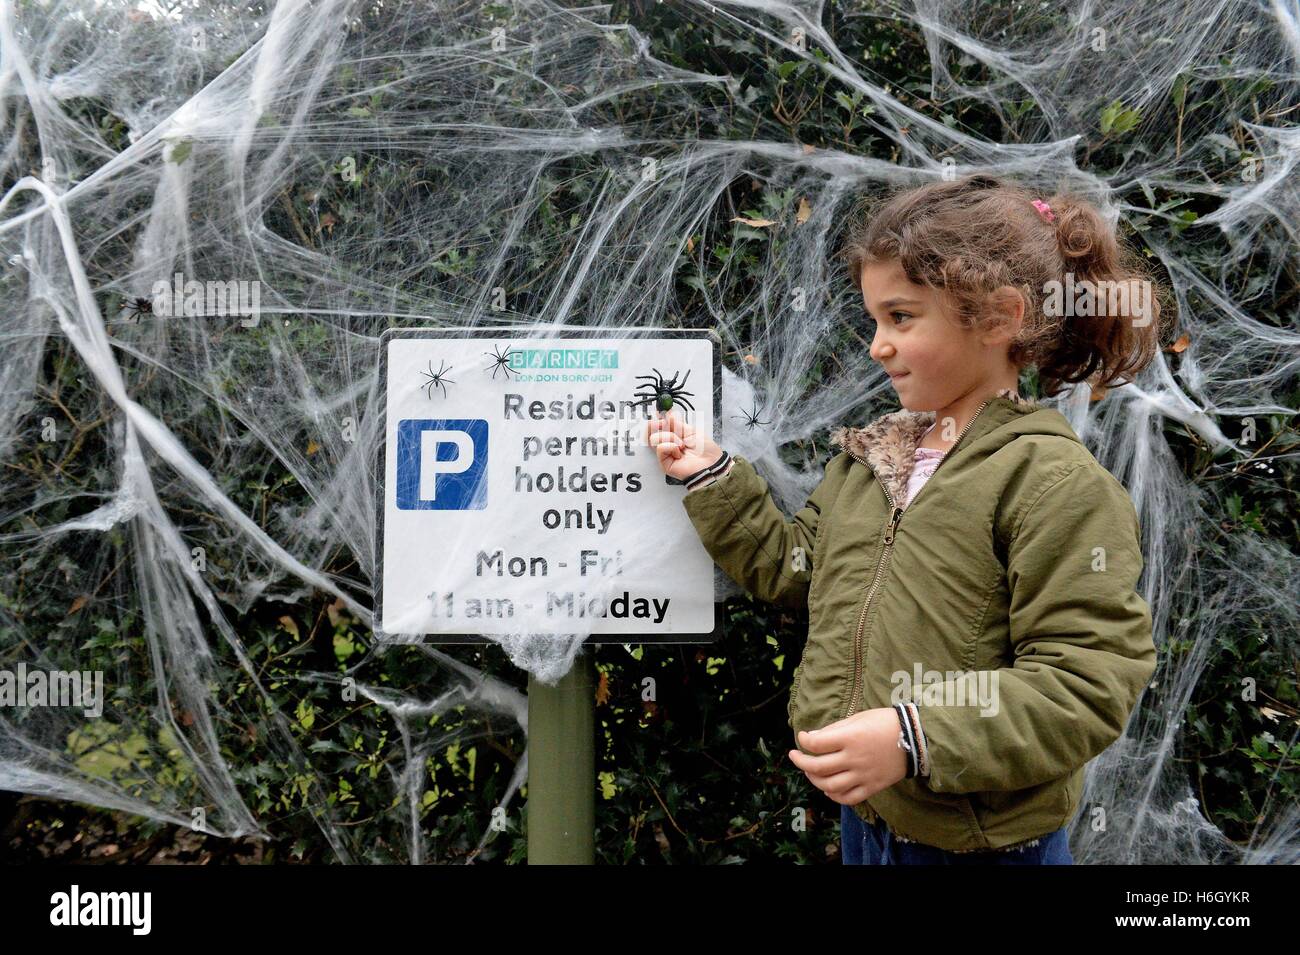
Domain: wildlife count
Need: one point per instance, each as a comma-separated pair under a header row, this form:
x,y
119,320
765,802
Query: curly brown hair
x,y
968,237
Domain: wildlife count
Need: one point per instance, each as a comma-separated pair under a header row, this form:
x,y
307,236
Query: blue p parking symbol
x,y
442,464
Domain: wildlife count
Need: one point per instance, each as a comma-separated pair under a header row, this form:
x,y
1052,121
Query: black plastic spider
x,y
139,306
435,378
663,393
751,417
499,361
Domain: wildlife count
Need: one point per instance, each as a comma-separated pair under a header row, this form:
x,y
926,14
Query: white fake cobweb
x,y
233,115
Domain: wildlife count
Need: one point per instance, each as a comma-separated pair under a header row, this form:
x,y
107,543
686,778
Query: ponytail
x,y
1117,331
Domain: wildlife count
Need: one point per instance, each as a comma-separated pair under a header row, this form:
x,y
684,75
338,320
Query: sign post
x,y
518,498
562,767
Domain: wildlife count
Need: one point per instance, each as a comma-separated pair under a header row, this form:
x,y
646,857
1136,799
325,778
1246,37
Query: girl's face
x,y
932,360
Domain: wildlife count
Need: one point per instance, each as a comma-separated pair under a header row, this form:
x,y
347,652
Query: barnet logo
x,y
525,358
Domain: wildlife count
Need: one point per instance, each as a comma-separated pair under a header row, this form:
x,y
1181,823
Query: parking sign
x,y
518,495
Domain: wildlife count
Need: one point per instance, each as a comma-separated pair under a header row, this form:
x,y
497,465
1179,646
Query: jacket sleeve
x,y
749,538
1081,636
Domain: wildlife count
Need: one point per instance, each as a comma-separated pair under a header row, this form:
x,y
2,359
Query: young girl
x,y
969,568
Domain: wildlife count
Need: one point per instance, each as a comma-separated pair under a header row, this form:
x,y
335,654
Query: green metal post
x,y
562,767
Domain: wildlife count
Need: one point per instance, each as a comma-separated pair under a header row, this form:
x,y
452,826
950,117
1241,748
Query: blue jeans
x,y
863,844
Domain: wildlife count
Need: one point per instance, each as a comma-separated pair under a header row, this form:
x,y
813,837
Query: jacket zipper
x,y
891,529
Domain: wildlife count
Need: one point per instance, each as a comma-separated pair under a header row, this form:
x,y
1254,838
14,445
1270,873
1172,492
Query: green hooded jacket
x,y
1002,601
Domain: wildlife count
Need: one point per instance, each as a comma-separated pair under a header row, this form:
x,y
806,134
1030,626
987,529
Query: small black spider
x,y
499,361
140,306
663,393
435,378
751,417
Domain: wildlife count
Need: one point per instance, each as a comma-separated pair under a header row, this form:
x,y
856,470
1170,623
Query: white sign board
x,y
519,494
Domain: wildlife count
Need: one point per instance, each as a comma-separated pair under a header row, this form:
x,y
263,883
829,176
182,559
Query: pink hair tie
x,y
1044,210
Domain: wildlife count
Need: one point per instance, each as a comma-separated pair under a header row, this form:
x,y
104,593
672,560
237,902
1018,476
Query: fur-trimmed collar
x,y
889,443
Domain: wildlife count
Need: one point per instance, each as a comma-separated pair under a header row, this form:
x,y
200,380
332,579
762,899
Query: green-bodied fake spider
x,y
664,393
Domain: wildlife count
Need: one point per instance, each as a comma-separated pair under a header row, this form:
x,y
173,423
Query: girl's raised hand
x,y
680,450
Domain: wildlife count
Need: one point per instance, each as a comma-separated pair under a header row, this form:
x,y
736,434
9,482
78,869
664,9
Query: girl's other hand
x,y
854,758
680,450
